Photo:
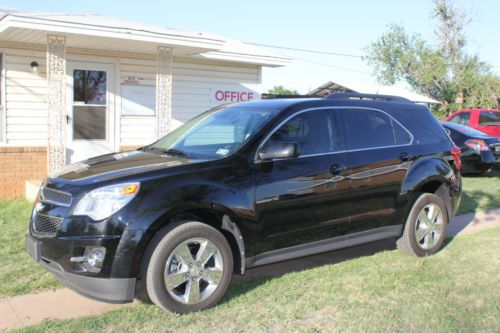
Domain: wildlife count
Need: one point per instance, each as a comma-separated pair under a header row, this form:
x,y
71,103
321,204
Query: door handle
x,y
68,119
404,156
336,169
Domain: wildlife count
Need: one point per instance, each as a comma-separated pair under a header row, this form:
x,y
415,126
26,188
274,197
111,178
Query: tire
x,y
434,230
168,263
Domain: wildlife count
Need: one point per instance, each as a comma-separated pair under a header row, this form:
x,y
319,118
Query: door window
x,y
461,118
489,118
313,131
370,129
89,104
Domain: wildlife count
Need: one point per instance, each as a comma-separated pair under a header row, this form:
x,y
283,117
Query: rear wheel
x,y
190,267
425,228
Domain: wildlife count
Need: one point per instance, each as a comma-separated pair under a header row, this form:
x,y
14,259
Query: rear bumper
x,y
111,290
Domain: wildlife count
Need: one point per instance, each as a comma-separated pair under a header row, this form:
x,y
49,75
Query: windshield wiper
x,y
171,151
175,151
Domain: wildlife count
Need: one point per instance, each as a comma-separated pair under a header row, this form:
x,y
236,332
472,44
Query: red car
x,y
485,120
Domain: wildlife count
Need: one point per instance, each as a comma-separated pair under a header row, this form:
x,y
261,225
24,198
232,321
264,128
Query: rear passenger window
x,y
313,131
370,129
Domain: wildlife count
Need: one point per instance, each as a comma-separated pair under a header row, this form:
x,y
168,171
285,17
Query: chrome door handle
x,y
336,169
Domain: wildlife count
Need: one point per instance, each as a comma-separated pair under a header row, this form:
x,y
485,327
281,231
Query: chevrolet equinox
x,y
246,185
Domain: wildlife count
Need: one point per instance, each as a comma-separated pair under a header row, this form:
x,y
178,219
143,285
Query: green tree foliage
x,y
440,69
280,90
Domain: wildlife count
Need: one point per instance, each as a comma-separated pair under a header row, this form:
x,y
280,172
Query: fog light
x,y
92,259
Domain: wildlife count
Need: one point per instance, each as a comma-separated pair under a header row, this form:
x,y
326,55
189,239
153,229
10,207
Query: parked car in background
x,y
485,120
480,151
246,185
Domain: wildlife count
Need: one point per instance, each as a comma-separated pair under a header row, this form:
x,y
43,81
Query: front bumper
x,y
106,289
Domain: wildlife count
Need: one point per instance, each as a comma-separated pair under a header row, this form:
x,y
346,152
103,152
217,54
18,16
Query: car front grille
x,y
56,197
45,225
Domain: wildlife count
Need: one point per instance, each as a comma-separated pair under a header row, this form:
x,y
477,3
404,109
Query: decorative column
x,y
56,80
163,91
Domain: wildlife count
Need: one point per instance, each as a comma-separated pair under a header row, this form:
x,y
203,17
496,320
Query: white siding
x,y
26,98
192,84
26,94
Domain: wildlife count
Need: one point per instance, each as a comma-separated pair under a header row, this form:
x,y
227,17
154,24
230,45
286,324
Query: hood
x,y
118,165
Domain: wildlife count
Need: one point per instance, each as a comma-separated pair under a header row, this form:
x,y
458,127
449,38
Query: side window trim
x,y
339,124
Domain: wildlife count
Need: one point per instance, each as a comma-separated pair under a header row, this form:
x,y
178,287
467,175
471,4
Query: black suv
x,y
246,185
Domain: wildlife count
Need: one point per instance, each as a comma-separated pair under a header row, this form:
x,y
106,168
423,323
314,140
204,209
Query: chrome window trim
x,y
256,157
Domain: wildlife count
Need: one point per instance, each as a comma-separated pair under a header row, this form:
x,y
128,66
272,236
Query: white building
x,y
79,85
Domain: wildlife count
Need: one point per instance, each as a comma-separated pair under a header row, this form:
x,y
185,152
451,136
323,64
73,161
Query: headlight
x,y
105,201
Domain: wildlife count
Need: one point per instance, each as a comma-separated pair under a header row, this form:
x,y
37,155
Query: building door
x,y
91,110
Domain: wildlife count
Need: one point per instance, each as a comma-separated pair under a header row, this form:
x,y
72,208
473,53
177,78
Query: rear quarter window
x,y
421,123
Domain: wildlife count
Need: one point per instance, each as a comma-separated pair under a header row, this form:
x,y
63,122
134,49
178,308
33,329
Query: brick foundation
x,y
19,164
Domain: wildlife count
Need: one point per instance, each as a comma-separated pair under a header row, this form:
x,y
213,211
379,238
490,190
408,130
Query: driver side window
x,y
312,131
461,118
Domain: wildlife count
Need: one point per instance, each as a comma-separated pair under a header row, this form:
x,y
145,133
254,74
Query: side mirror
x,y
279,150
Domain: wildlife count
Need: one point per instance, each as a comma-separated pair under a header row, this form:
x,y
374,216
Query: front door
x,y
90,127
304,199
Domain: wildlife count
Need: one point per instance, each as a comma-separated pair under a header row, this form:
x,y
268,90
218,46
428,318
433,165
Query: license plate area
x,y
33,248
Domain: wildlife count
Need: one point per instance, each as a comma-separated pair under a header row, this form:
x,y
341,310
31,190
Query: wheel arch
x,y
429,175
207,214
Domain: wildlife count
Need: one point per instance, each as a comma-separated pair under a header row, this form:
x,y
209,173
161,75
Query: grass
x,y
20,275
18,272
454,290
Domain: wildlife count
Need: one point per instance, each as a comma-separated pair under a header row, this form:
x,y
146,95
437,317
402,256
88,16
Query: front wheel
x,y
425,228
190,267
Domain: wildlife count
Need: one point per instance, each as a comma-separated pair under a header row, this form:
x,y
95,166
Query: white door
x,y
91,110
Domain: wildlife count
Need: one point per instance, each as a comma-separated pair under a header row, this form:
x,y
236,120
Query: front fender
x,y
166,201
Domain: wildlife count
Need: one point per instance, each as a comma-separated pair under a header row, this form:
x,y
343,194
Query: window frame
x,y
340,126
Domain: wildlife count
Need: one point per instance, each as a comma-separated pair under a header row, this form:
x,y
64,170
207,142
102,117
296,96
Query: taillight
x,y
456,152
477,145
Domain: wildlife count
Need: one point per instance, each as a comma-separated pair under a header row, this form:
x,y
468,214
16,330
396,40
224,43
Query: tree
x,y
280,90
444,72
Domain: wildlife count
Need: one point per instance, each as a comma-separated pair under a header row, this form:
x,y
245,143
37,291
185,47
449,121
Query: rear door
x,y
380,152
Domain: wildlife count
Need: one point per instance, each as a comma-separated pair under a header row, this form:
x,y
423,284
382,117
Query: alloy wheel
x,y
429,226
193,270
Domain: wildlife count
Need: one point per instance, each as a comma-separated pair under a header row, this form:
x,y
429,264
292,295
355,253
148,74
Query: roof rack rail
x,y
375,97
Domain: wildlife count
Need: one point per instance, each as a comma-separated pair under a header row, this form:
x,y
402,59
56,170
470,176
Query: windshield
x,y
214,134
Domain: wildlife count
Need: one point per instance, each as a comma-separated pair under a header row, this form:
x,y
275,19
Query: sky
x,y
334,26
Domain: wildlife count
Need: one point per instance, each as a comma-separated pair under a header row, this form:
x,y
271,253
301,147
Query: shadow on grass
x,y
488,174
255,277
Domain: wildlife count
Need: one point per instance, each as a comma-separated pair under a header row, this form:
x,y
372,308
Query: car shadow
x,y
256,276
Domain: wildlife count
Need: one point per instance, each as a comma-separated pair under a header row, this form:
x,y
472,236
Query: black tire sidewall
x,y
155,271
423,200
